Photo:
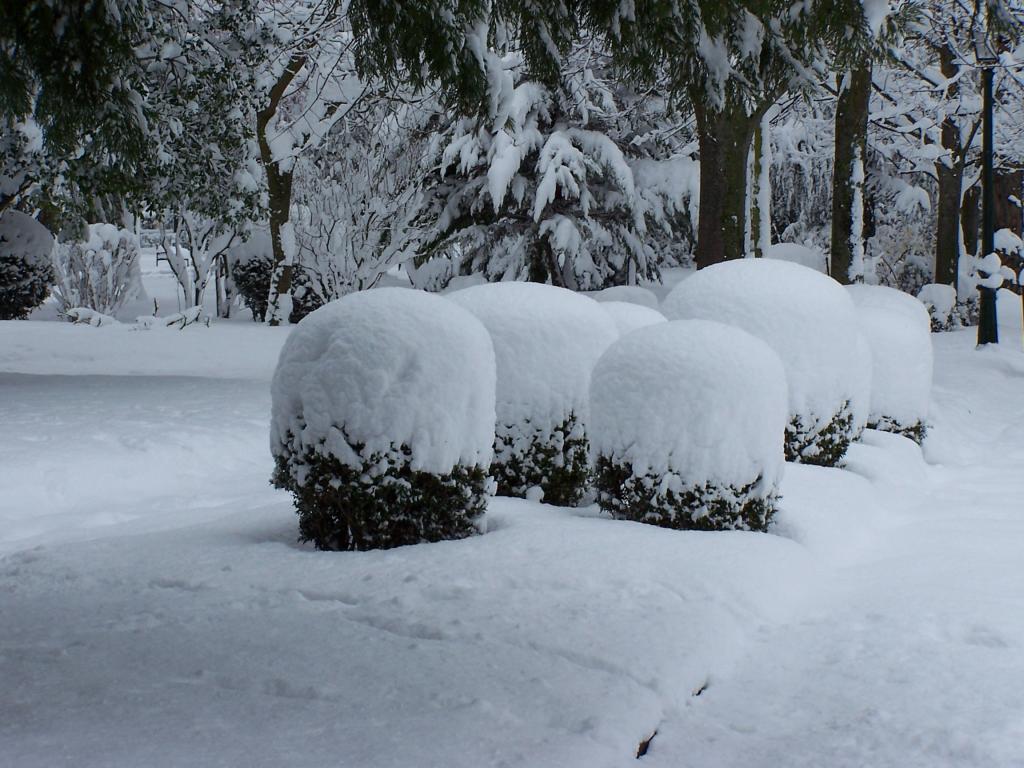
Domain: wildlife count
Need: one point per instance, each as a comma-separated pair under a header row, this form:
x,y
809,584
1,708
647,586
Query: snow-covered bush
x,y
947,313
634,294
897,328
251,263
546,341
795,253
383,420
100,272
811,323
25,269
687,426
628,317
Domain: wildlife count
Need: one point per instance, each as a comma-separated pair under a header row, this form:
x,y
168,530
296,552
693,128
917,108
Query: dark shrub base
x,y
822,446
916,431
707,507
343,508
252,281
23,286
557,461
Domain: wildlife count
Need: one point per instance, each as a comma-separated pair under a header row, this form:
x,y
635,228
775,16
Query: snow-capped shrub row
x,y
546,342
25,269
811,323
897,328
687,424
383,420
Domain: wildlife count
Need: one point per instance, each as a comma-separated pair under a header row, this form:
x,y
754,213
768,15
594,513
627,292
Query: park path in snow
x,y
912,653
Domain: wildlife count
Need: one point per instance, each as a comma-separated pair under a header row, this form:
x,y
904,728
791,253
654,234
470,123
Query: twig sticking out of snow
x,y
86,316
191,316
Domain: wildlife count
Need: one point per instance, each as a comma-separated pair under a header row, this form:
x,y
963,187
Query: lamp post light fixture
x,y
987,59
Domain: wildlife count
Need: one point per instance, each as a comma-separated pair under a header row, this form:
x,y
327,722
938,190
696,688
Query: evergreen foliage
x,y
823,441
568,184
555,460
251,279
382,504
916,431
26,273
664,500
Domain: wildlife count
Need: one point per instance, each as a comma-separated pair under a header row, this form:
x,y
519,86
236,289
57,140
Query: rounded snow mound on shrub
x,y
687,426
628,317
898,330
631,294
795,253
26,270
939,301
383,420
546,341
811,323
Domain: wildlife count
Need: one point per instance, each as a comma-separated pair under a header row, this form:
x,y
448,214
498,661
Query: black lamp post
x,y
988,325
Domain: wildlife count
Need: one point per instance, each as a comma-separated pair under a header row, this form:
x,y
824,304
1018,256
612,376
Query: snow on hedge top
x,y
628,317
898,331
24,239
390,366
702,399
633,294
546,341
806,317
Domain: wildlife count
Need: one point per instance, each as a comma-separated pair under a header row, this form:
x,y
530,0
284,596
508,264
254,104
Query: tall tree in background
x,y
853,55
732,60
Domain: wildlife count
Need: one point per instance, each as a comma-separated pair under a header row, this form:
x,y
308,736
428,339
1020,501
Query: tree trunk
x,y
279,196
947,228
949,172
850,144
724,138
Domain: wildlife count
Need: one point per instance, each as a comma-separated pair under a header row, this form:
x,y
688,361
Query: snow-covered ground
x,y
155,609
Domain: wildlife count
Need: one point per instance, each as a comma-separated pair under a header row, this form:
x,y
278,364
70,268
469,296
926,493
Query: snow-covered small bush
x,y
946,310
251,264
811,323
897,328
798,254
633,294
100,273
687,425
25,269
628,317
383,420
546,341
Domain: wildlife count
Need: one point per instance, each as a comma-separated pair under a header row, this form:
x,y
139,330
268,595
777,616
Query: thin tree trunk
x,y
724,138
762,226
279,195
850,144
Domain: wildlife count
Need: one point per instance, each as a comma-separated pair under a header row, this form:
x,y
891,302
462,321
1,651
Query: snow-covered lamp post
x,y
988,327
